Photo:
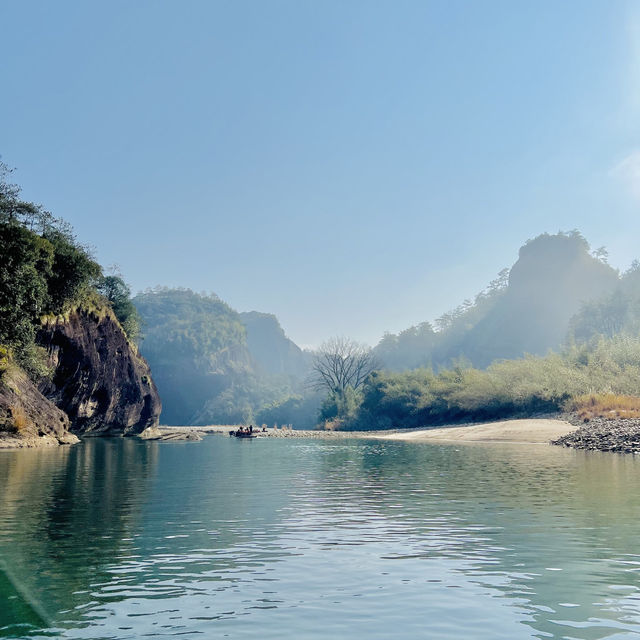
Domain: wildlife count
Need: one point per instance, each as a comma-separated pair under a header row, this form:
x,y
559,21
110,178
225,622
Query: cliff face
x,y
27,418
100,381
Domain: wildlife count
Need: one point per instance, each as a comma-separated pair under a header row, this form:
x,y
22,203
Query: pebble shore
x,y
617,435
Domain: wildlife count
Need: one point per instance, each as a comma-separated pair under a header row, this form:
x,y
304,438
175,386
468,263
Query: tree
x,y
118,294
340,364
43,269
25,264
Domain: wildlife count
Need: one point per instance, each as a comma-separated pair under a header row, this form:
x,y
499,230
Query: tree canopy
x,y
341,363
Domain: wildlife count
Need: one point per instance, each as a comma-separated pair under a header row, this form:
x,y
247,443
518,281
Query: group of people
x,y
245,431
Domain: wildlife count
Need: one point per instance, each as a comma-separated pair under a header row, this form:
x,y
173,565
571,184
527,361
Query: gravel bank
x,y
601,434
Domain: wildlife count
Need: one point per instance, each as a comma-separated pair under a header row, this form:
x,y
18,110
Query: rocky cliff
x,y
27,418
100,381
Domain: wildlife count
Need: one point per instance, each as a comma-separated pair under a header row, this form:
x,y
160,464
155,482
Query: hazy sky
x,y
353,167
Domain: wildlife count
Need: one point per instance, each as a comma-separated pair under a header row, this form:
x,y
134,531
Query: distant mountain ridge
x,y
526,310
213,364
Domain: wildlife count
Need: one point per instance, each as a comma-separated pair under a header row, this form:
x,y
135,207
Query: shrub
x,y
599,378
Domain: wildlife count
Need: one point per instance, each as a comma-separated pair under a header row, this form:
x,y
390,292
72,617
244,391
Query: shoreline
x,y
522,431
598,434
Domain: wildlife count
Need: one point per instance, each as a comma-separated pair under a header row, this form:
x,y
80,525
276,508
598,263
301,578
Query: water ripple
x,y
315,539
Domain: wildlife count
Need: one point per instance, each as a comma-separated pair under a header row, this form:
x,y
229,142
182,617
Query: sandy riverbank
x,y
530,430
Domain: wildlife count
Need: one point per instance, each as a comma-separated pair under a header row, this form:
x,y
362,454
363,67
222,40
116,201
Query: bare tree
x,y
342,363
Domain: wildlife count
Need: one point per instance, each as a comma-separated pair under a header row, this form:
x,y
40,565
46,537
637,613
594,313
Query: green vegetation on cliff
x,y
66,358
45,270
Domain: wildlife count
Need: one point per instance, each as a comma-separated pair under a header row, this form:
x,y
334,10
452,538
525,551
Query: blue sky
x,y
353,167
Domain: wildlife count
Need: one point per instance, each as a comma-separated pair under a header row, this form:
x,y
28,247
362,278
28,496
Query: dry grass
x,y
20,420
332,425
605,405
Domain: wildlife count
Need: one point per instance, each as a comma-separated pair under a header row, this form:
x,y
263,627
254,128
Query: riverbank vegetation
x,y
593,378
605,405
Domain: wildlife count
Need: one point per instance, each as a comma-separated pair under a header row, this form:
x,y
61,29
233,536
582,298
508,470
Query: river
x,y
310,539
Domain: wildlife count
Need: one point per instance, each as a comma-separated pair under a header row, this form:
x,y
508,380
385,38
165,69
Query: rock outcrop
x,y
100,381
27,418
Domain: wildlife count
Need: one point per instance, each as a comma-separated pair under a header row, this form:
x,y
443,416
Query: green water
x,y
277,538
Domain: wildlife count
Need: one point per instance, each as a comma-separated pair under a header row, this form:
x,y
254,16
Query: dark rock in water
x,y
100,381
27,418
618,435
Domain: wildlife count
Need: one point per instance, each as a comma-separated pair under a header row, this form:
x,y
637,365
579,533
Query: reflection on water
x,y
317,539
65,514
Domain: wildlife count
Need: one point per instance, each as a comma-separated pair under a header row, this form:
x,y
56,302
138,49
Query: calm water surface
x,y
276,538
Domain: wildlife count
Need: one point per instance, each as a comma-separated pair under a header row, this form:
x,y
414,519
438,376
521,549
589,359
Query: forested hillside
x,y
527,309
270,348
214,365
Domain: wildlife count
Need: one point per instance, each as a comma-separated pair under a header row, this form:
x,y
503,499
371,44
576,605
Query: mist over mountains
x,y
527,309
215,365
